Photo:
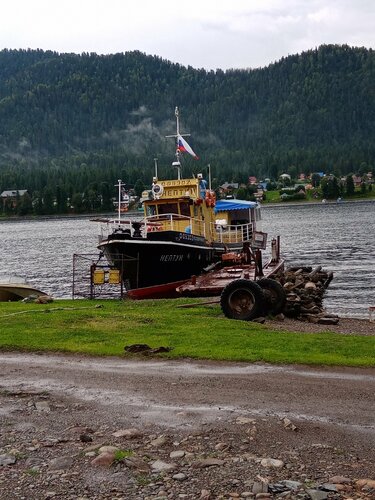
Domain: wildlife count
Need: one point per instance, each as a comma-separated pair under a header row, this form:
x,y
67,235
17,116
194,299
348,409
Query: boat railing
x,y
113,226
223,233
174,222
234,233
141,226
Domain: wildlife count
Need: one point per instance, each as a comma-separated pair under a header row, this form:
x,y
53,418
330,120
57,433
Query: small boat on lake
x,y
15,288
182,232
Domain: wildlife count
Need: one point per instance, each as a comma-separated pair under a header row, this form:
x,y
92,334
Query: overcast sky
x,y
207,34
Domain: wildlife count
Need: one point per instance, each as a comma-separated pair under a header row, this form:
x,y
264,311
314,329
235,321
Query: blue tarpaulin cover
x,y
225,205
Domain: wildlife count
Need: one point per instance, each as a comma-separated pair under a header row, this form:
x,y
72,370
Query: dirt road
x,y
317,422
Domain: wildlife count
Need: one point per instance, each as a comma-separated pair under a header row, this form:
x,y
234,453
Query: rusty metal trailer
x,y
245,286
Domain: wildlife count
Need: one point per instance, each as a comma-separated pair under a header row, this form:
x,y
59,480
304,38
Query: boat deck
x,y
213,282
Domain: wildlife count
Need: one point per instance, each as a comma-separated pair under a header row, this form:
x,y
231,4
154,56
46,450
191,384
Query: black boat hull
x,y
160,258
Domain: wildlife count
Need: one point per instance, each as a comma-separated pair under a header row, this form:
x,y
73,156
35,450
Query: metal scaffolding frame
x,y
95,278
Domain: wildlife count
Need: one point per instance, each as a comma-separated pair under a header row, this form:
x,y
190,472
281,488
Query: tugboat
x,y
181,232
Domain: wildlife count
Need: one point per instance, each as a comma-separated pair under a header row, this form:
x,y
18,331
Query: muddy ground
x,y
183,429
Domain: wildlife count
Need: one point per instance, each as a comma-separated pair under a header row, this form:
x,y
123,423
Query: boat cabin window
x,y
150,210
185,209
168,208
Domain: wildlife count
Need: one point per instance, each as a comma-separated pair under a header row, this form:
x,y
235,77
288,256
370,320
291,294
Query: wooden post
x,y
258,264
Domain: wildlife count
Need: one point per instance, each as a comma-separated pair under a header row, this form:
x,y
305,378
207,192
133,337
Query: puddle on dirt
x,y
165,415
165,368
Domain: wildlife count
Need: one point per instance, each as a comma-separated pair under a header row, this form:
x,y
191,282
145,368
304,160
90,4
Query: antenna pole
x,y
119,200
156,167
176,112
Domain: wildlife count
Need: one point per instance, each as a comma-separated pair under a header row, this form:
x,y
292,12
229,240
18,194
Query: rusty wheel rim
x,y
241,302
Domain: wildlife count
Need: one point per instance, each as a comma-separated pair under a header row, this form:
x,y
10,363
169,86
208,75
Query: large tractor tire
x,y
242,299
274,296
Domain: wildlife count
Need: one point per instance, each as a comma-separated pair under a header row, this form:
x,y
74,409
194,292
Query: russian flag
x,y
184,147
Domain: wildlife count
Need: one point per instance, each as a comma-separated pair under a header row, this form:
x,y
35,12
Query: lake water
x,y
339,237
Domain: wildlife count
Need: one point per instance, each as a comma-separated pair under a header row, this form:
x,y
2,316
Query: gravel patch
x,y
346,326
82,428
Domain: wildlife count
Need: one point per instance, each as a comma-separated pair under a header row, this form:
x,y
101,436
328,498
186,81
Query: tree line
x,y
71,121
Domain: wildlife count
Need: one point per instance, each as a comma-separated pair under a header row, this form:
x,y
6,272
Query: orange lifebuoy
x,y
210,198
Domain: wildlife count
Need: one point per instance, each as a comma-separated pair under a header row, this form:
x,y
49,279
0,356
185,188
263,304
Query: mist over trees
x,y
71,125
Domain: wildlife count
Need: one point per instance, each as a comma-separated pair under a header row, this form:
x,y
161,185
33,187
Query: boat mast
x,y
177,163
119,185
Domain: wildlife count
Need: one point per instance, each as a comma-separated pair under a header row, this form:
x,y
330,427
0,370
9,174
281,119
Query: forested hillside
x,y
69,120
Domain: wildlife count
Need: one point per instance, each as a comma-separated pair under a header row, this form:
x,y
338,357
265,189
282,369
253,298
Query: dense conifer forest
x,y
71,125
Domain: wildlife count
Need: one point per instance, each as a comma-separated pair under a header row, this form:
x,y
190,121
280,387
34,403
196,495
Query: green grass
x,y
201,332
121,454
368,195
274,197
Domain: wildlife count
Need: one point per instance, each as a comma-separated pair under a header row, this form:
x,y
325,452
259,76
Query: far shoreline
x,y
308,203
114,215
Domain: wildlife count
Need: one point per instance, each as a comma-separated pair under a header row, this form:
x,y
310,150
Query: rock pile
x,y
305,288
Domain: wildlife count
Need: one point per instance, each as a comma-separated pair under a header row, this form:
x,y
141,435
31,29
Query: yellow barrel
x,y
98,276
114,276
